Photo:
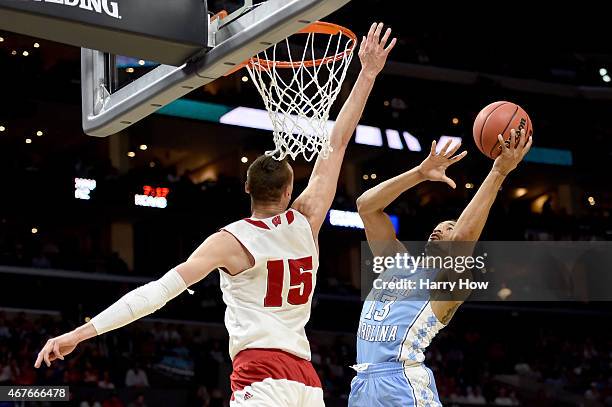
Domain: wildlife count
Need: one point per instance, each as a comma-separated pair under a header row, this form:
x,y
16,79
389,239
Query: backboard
x,y
110,106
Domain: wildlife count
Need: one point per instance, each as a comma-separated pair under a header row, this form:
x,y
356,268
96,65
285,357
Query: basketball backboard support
x,y
232,40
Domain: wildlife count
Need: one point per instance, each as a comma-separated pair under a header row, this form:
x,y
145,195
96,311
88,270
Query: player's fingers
x,y
520,140
527,147
458,157
391,45
453,150
362,45
372,29
500,138
523,139
46,356
450,182
433,148
377,32
385,37
513,139
39,359
56,351
444,149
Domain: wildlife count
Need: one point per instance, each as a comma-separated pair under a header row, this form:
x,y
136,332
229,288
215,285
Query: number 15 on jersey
x,y
300,282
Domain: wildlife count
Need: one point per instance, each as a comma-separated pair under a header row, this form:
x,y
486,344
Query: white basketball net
x,y
299,97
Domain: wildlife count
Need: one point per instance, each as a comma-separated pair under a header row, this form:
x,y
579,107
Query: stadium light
x,y
606,78
369,136
520,192
444,139
603,71
504,293
393,139
412,142
83,188
349,219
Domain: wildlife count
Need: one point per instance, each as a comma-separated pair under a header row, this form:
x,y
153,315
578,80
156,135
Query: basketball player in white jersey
x,y
267,263
395,326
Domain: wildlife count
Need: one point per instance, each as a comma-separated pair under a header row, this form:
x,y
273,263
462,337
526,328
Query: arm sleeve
x,y
140,302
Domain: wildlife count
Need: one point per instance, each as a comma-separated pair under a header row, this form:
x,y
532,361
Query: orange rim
x,y
319,27
221,14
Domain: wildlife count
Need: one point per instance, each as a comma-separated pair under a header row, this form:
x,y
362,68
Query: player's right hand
x,y
56,348
433,168
513,152
374,50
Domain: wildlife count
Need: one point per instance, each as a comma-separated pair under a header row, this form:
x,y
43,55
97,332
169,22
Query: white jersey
x,y
269,304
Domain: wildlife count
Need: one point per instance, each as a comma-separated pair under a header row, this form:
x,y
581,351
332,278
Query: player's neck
x,y
263,211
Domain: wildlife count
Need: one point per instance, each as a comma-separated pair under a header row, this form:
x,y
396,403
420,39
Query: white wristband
x,y
140,302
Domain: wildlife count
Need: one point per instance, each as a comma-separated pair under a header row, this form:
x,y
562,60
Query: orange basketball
x,y
499,118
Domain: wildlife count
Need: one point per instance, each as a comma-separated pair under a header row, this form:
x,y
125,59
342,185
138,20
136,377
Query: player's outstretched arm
x,y
470,224
372,203
318,196
215,252
472,220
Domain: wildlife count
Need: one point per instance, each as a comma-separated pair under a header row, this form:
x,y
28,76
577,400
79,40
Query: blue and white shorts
x,y
392,384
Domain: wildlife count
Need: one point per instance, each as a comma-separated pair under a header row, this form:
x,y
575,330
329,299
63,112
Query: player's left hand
x,y
512,152
433,168
373,50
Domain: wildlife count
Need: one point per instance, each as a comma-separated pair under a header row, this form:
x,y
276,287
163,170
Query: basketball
x,y
499,118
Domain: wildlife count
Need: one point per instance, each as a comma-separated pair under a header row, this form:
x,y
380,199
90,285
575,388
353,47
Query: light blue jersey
x,y
395,329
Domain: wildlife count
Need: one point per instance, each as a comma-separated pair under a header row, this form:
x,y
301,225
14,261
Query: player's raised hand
x,y
374,50
513,151
56,348
433,168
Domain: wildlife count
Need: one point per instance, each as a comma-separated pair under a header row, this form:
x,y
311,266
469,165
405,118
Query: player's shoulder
x,y
220,241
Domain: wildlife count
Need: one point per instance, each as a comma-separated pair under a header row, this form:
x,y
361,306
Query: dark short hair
x,y
267,178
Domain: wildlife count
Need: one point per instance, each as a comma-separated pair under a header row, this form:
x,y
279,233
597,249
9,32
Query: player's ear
x,y
246,187
289,189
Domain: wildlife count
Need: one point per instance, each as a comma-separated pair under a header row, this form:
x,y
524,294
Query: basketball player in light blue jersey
x,y
396,329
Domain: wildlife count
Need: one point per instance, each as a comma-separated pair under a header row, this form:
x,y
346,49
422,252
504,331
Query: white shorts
x,y
278,393
273,378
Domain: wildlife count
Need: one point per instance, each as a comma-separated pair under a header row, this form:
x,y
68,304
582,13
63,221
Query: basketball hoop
x,y
299,86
